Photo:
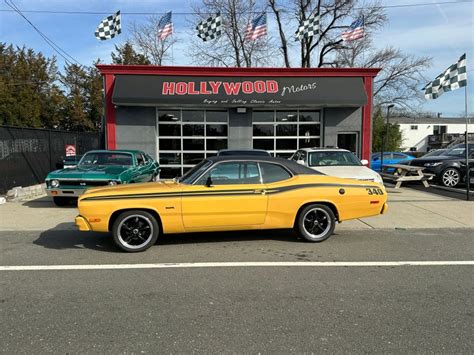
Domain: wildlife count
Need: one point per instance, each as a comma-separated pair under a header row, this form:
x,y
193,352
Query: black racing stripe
x,y
239,192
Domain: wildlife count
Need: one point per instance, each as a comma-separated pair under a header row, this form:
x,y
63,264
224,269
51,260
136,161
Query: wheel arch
x,y
329,204
115,214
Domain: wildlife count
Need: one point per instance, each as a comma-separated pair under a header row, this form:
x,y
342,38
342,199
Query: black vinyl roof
x,y
294,167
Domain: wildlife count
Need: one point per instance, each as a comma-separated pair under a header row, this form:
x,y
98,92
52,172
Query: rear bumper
x,y
65,192
384,208
82,224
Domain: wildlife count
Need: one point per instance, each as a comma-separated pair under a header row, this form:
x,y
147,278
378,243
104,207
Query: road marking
x,y
235,264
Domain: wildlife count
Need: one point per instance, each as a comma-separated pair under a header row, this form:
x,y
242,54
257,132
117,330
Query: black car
x,y
449,167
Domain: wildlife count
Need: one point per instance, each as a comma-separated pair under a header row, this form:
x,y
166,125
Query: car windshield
x,y
107,158
194,172
455,152
435,153
340,158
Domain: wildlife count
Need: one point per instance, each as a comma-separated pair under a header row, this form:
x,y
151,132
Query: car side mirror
x,y
301,162
208,182
364,162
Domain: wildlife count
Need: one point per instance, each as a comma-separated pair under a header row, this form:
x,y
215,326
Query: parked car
x,y
435,153
230,193
389,158
447,167
100,168
336,162
69,162
247,152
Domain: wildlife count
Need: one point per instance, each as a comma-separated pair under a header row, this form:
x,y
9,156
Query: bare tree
x,y
284,43
398,82
144,36
231,48
335,17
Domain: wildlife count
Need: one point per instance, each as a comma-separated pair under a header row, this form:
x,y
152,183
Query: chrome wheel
x,y
450,177
317,222
135,231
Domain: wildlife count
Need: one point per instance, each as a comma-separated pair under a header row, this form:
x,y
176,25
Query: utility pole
x,y
385,135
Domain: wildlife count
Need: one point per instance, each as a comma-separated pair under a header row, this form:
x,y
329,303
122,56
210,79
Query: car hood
x,y
90,172
434,159
349,172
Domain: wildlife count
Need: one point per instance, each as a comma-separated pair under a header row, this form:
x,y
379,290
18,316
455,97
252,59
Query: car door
x,y
228,194
141,168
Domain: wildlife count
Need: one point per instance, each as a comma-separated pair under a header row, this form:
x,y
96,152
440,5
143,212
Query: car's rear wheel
x,y
135,231
316,222
61,201
450,177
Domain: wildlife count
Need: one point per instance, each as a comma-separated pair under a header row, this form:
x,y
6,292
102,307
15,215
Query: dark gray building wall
x,y
341,120
136,129
240,129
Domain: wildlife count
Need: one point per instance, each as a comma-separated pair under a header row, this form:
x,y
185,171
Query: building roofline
x,y
119,69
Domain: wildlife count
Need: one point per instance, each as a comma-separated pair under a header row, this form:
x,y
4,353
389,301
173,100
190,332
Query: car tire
x,y
316,222
450,177
61,201
135,231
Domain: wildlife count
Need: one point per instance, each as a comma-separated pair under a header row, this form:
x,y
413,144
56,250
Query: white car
x,y
336,162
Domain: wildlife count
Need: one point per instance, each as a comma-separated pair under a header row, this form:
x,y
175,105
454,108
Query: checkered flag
x,y
109,27
308,28
210,28
453,78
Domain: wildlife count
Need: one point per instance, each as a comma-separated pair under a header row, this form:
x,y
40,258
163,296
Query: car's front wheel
x,y
450,177
316,222
135,231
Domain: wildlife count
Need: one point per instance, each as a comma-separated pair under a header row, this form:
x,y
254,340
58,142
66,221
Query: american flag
x,y
165,26
256,28
355,31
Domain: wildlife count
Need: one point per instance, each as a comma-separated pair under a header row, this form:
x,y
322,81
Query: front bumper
x,y
82,224
53,192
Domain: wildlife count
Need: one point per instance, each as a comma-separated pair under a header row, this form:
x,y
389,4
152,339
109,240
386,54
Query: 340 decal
x,y
374,191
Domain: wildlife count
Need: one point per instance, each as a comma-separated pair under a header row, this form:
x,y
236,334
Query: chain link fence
x,y
27,155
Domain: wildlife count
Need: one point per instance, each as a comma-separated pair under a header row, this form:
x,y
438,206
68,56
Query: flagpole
x,y
466,140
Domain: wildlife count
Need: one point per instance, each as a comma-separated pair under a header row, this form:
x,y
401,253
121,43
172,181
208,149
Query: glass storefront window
x,y
170,173
193,144
309,130
216,144
263,116
193,115
171,130
309,116
285,130
266,144
310,142
170,158
286,144
192,158
169,144
169,115
216,130
193,130
262,130
286,116
216,116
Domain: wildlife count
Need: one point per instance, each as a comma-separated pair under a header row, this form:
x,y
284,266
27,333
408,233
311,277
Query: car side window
x,y
232,173
140,160
273,173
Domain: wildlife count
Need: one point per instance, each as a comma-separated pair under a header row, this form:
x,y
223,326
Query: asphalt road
x,y
402,309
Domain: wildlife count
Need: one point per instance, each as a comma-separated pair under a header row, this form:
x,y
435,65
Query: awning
x,y
178,91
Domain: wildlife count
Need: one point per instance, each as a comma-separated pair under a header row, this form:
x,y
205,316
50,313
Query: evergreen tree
x,y
127,55
379,132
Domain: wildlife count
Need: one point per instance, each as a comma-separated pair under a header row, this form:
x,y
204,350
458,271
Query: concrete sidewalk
x,y
408,209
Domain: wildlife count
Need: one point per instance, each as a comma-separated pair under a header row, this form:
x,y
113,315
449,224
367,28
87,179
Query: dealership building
x,y
180,115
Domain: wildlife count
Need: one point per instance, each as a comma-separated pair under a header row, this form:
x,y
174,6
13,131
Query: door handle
x,y
261,192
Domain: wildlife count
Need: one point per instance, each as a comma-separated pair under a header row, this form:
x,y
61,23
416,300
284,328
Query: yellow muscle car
x,y
229,193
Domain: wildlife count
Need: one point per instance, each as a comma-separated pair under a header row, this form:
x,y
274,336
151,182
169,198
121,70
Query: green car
x,y
100,168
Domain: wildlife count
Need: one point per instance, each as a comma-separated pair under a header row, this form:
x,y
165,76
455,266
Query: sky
x,y
440,31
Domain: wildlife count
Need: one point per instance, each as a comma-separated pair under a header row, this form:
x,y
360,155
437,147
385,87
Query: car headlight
x,y
430,165
112,183
54,183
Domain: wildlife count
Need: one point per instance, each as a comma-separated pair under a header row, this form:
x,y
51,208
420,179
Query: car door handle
x,y
261,192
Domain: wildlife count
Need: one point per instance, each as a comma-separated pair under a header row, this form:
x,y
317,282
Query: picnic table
x,y
404,173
